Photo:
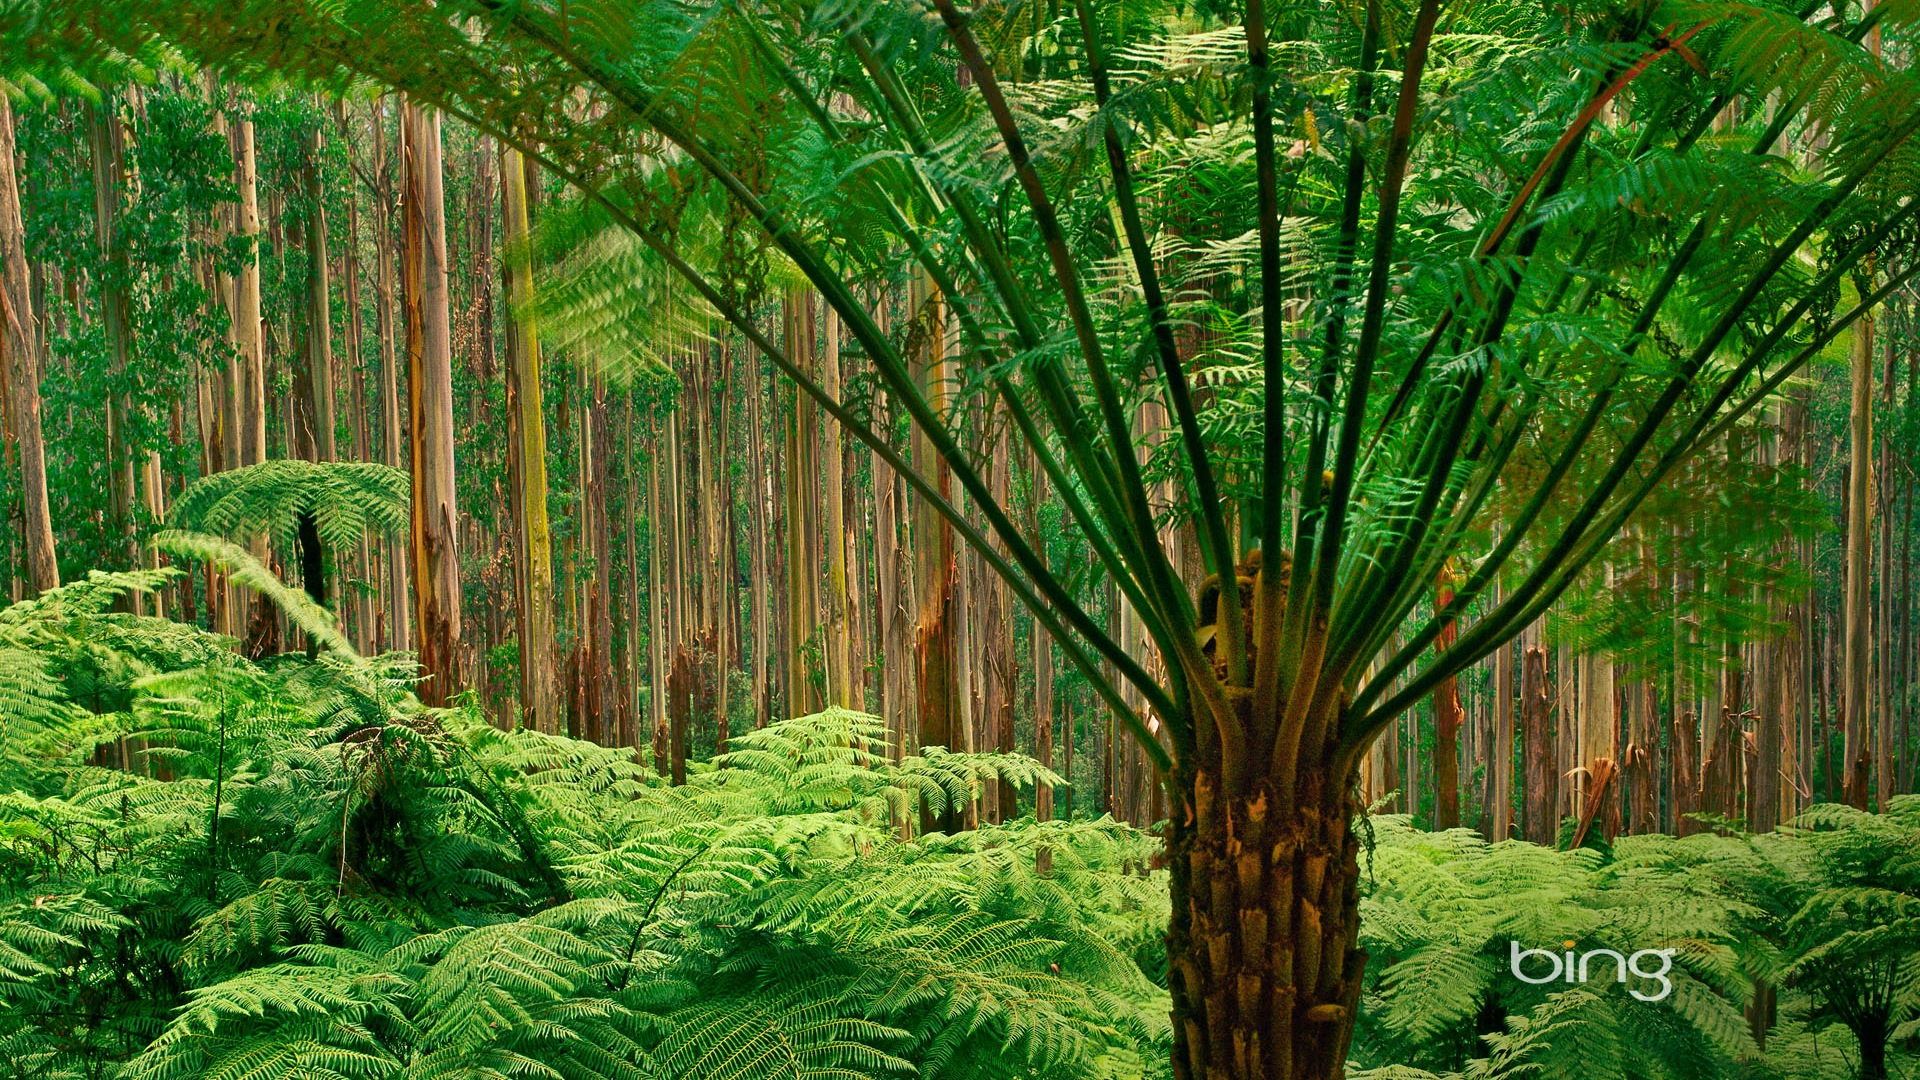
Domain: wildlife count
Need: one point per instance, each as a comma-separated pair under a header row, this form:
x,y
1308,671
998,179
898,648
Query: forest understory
x,y
1079,539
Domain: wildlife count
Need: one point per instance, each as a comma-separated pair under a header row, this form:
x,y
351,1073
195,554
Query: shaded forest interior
x,y
721,540
693,547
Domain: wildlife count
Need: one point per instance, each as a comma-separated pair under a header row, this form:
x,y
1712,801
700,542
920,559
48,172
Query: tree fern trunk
x,y
1263,967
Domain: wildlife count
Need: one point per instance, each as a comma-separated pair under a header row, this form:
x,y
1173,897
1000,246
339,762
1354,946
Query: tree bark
x,y
1042,643
803,567
527,459
436,564
319,351
839,642
1883,634
1264,969
656,608
596,614
1499,824
20,363
933,556
361,446
759,520
396,620
1447,720
1542,777
1855,686
108,146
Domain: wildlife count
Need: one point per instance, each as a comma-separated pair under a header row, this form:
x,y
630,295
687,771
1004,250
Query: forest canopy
x,y
1112,538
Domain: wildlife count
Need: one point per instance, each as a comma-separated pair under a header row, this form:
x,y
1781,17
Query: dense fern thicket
x,y
301,872
219,868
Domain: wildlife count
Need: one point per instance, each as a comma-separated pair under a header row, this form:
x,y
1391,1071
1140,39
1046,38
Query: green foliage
x,y
346,499
303,873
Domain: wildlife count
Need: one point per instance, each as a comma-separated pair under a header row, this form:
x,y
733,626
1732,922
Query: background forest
x,y
442,644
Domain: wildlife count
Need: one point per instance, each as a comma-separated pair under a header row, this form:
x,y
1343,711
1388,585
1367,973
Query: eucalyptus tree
x,y
1425,288
19,349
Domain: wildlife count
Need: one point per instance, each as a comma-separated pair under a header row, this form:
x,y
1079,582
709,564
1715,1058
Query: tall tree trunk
x,y
656,609
839,641
108,145
933,555
596,613
1686,771
250,382
318,376
759,520
894,591
803,567
436,563
396,611
361,448
1499,824
1447,720
1855,685
1883,633
1542,784
1042,644
1641,754
527,460
997,630
20,364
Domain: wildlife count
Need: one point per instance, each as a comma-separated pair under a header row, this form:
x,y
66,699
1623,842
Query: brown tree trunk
x,y
802,534
759,518
1042,658
1883,633
839,641
679,715
20,366
1447,720
317,379
895,598
1720,772
1264,969
436,564
597,613
937,694
996,632
1644,706
1686,772
1542,776
1499,824
1856,685
395,610
361,448
108,146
